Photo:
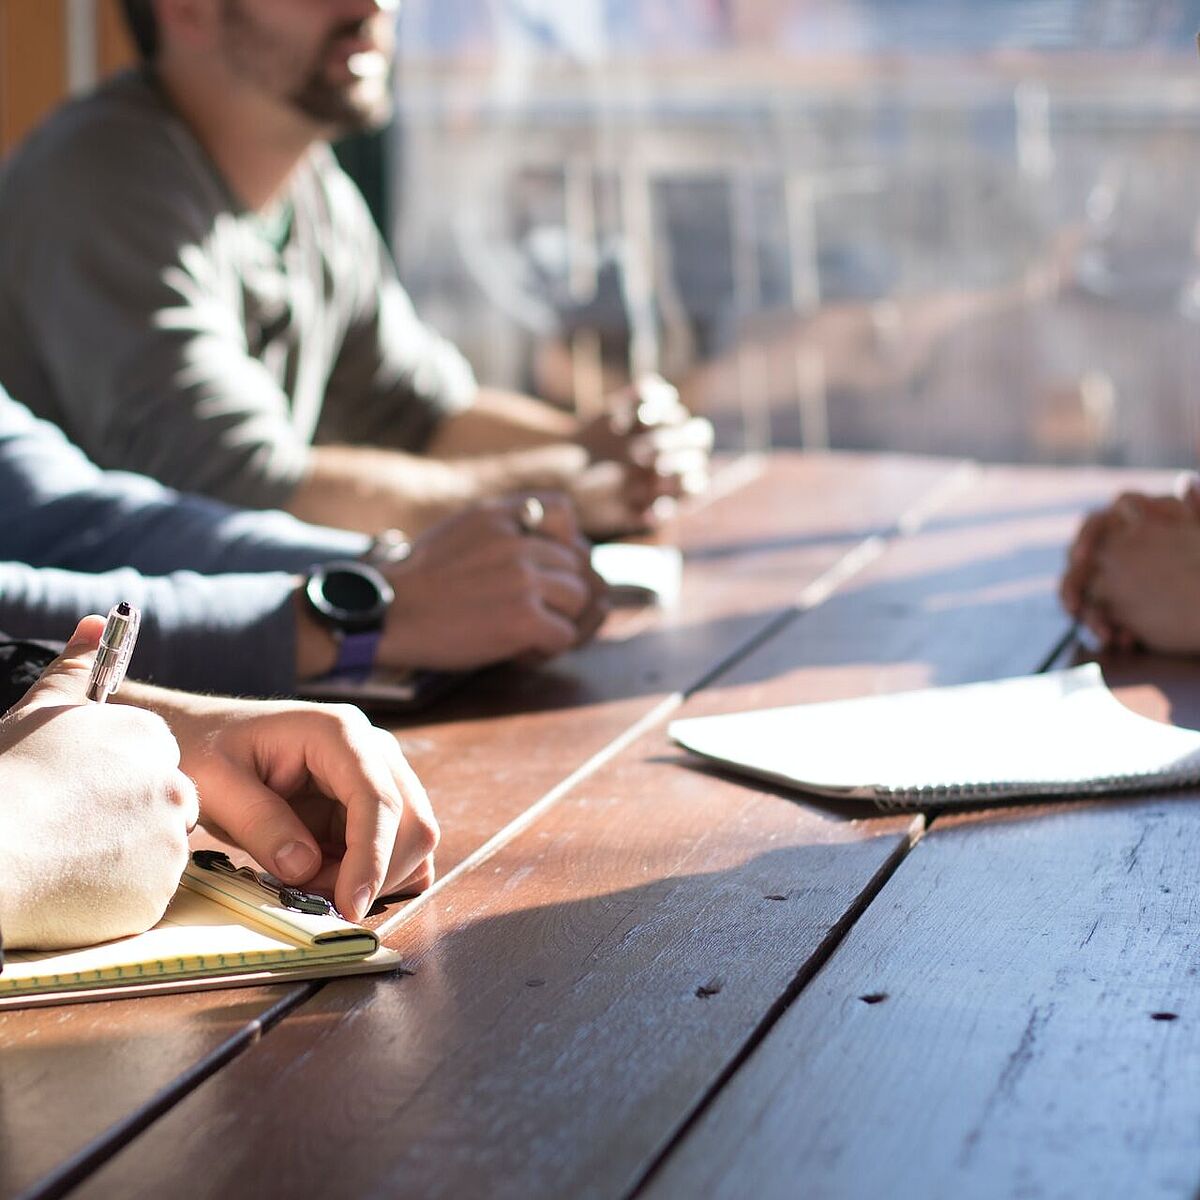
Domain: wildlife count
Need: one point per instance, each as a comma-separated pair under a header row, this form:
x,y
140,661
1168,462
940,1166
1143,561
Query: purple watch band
x,y
356,654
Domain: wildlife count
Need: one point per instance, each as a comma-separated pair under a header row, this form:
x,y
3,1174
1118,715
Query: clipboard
x,y
225,927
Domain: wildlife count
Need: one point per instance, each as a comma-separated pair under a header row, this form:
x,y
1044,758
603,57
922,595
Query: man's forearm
x,y
362,488
502,421
369,490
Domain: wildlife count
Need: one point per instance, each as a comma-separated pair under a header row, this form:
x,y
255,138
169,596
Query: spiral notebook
x,y
1059,734
222,929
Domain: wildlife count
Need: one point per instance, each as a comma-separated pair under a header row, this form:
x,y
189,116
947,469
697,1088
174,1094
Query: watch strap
x,y
356,653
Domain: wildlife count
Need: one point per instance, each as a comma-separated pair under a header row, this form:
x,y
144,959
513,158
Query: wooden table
x,y
637,977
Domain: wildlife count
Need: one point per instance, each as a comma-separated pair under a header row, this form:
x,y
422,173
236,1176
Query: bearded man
x,y
192,289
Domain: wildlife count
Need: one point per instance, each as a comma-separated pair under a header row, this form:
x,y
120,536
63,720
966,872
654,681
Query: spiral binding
x,y
899,799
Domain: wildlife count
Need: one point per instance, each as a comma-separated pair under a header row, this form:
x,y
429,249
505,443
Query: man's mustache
x,y
354,29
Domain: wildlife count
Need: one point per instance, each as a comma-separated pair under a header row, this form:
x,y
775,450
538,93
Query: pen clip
x,y
114,652
294,898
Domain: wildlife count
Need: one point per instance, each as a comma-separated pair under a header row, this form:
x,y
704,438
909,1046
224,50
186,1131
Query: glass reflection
x,y
965,228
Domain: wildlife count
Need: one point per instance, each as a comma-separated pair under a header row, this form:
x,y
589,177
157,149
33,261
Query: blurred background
x,y
940,226
948,226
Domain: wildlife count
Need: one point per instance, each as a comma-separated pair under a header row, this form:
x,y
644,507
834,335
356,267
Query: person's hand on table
x,y
644,449
1076,584
489,584
1134,570
315,793
94,811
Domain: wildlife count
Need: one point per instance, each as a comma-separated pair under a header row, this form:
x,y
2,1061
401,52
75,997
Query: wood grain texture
x,y
558,1024
1015,1015
502,746
515,733
972,596
579,993
71,1076
578,996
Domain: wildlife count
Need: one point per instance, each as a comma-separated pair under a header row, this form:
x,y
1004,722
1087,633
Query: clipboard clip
x,y
290,897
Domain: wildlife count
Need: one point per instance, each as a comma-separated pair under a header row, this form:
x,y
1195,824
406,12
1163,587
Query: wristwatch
x,y
351,599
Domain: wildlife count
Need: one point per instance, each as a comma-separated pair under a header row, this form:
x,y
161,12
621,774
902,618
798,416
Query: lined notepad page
x,y
1059,733
197,936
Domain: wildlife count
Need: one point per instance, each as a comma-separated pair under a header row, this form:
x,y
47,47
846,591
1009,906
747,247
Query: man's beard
x,y
352,107
346,108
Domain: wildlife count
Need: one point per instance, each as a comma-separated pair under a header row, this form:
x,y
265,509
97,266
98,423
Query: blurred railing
x,y
985,250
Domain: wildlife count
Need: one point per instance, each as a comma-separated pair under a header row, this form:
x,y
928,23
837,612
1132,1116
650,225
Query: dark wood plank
x,y
570,1000
1016,1015
972,597
489,755
579,994
70,1075
515,734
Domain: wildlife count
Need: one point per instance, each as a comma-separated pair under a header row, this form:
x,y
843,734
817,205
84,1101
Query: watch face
x,y
350,596
350,592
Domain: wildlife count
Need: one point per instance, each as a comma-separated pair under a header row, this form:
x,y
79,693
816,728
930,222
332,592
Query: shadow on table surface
x,y
966,603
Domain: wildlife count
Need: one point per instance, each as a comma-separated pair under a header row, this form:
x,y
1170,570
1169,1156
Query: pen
x,y
116,648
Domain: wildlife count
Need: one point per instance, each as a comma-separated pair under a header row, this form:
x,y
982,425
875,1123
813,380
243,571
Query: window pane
x,y
920,225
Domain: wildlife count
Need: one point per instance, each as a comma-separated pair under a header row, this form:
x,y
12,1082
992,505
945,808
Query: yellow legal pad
x,y
218,931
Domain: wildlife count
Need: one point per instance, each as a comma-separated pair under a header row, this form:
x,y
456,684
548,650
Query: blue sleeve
x,y
62,511
219,633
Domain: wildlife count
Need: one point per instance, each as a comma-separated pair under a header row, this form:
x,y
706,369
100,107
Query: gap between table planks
x,y
587,988
1016,1014
88,1077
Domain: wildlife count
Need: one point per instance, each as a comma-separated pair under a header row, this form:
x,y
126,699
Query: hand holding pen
x,y
93,830
315,794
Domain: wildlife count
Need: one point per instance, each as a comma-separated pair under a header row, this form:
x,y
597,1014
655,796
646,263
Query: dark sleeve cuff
x,y
21,663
